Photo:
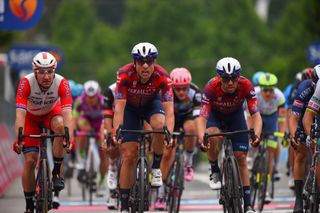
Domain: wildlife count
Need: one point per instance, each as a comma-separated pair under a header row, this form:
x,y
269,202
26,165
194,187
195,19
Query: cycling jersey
x,y
109,95
314,103
304,93
213,98
190,105
137,94
31,98
287,92
271,106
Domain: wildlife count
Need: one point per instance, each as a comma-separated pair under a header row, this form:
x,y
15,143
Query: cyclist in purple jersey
x,y
88,116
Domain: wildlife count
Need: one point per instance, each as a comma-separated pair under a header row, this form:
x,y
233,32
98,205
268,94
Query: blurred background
x,y
93,38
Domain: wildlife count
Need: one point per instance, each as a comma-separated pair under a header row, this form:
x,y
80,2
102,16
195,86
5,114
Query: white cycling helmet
x,y
44,60
91,88
144,50
228,66
315,74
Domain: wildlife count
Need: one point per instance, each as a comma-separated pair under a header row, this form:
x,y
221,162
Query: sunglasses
x,y
43,72
266,90
178,89
142,61
228,78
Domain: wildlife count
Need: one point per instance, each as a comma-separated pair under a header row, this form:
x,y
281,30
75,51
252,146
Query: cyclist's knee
x,y
157,122
129,156
189,127
241,158
300,158
30,161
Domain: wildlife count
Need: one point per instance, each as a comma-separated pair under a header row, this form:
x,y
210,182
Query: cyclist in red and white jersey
x,y
221,108
43,98
143,90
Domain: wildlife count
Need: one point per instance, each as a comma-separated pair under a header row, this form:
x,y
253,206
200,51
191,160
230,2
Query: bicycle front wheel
x,y
177,186
233,187
42,188
143,185
254,179
263,171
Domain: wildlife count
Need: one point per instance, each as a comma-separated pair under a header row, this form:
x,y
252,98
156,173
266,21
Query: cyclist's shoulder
x,y
194,87
127,69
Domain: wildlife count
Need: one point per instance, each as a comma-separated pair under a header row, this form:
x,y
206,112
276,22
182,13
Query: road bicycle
x,y
44,186
91,165
175,179
260,170
311,192
139,195
231,192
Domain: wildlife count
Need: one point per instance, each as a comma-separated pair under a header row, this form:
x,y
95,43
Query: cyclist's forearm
x,y
118,113
293,124
257,123
169,115
20,119
108,124
308,120
68,121
201,126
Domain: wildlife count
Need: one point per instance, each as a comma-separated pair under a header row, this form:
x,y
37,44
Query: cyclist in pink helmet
x,y
187,100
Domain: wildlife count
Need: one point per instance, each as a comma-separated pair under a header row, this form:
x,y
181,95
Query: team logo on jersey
x,y
198,97
134,83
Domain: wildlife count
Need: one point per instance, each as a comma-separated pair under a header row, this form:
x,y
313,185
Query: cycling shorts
x,y
133,115
94,124
231,122
270,124
179,121
32,126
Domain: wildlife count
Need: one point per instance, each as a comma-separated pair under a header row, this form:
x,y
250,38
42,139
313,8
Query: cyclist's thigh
x,y
213,124
270,124
131,121
236,121
31,126
154,113
189,125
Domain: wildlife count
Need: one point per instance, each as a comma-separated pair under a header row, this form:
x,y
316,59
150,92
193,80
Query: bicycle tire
x,y
264,171
91,178
236,188
232,187
143,185
254,179
314,201
177,186
41,188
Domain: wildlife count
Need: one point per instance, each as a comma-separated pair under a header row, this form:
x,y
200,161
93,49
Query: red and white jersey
x,y
37,102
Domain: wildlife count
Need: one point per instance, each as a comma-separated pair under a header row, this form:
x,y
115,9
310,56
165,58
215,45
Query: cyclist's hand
x,y
255,142
204,147
115,141
71,147
171,144
16,147
311,142
294,143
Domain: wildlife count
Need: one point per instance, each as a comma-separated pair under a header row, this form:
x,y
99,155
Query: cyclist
x,y
300,76
187,100
114,152
43,98
221,105
271,107
141,87
312,110
255,78
88,117
305,91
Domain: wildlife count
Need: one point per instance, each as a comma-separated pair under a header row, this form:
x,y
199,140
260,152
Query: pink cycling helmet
x,y
180,77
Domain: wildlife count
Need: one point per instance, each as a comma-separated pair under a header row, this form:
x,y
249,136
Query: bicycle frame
x,y
43,196
175,179
92,164
139,194
231,192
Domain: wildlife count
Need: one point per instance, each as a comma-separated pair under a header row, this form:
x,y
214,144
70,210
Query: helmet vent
x,y
229,67
38,62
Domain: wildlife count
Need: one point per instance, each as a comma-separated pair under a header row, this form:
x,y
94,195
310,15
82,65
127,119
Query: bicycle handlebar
x,y
165,132
182,134
228,134
45,135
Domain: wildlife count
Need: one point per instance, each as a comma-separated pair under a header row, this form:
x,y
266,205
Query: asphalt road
x,y
197,197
